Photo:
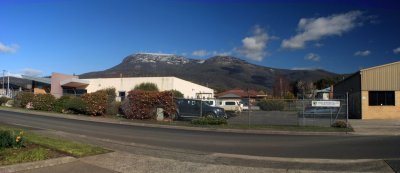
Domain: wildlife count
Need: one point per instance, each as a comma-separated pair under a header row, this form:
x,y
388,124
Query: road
x,y
290,146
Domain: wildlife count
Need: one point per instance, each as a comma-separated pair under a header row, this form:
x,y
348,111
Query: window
x,y
209,102
381,98
122,95
230,103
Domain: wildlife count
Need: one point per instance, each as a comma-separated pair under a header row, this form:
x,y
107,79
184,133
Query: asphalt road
x,y
293,146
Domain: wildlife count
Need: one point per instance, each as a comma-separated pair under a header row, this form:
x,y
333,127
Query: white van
x,y
230,105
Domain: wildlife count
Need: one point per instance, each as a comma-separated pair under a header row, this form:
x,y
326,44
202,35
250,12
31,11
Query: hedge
x,y
142,104
70,104
208,121
4,100
43,102
22,99
95,102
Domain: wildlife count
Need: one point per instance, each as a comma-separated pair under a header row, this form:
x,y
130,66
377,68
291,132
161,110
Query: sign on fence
x,y
325,103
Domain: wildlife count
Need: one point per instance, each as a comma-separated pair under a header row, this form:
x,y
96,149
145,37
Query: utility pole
x,y
248,108
3,82
8,83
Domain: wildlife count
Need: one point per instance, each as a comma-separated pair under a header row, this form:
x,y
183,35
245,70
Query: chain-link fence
x,y
302,112
293,112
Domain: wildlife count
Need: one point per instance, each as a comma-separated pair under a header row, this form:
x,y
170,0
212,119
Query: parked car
x,y
191,108
231,105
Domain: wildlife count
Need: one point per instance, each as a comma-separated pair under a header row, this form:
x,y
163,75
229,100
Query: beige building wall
x,y
192,89
381,78
187,88
380,112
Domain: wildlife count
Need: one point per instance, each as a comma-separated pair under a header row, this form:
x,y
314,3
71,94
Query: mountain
x,y
218,72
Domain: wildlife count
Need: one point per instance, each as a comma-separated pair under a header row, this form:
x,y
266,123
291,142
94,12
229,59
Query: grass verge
x,y
38,147
68,147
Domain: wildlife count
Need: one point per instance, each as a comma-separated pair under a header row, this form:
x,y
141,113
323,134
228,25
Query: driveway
x,y
376,127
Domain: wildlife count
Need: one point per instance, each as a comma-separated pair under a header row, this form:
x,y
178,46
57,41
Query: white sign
x,y
325,103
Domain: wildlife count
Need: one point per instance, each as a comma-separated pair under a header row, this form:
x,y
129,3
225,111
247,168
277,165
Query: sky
x,y
38,37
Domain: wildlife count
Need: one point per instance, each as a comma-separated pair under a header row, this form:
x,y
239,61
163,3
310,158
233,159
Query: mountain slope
x,y
218,72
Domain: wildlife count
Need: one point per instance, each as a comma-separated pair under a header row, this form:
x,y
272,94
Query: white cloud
x,y
8,48
31,72
253,47
200,53
314,29
362,53
397,50
312,57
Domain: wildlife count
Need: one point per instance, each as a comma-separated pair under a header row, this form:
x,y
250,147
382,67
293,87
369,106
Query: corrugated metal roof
x,y
38,79
381,78
380,66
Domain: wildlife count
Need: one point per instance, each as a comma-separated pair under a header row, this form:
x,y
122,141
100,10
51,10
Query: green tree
x,y
147,86
325,83
176,94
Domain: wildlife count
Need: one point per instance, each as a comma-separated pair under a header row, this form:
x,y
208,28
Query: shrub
x,y
142,104
3,100
339,124
22,99
147,86
113,108
95,102
176,94
60,104
70,104
43,102
10,139
271,105
208,121
76,105
289,95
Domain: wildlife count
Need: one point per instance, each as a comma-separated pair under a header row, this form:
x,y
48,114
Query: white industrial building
x,y
60,84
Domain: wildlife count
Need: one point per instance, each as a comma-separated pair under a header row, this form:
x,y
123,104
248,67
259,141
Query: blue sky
x,y
38,37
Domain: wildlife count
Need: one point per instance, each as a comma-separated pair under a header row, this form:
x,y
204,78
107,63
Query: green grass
x,y
39,147
68,147
20,155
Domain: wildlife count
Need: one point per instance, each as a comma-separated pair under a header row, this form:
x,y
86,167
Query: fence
x,y
296,112
292,112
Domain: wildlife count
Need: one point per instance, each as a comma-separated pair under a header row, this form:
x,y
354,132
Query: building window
x,y
381,98
121,94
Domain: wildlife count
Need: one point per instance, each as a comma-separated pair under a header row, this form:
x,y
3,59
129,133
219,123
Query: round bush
x,y
3,100
43,102
23,98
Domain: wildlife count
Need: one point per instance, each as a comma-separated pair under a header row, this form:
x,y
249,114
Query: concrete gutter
x,y
37,164
206,129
